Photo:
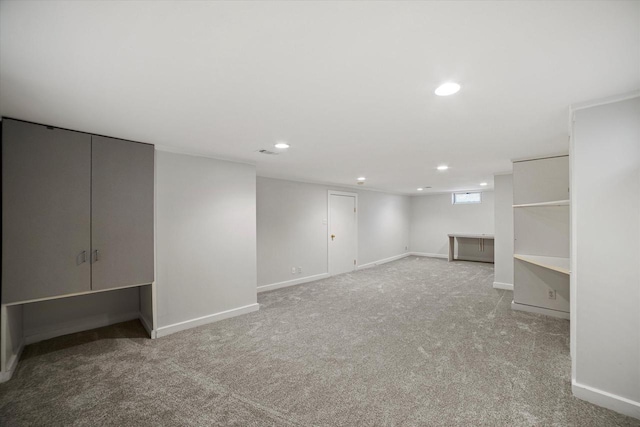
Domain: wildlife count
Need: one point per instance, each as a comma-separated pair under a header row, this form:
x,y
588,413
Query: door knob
x,y
333,236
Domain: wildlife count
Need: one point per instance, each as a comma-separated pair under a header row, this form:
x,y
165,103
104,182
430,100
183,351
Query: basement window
x,y
466,198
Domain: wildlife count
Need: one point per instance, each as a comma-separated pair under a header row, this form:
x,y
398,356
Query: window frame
x,y
454,194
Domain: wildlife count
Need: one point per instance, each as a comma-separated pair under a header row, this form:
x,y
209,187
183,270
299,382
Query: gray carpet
x,y
416,342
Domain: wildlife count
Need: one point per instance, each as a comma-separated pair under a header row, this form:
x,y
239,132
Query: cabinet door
x,y
46,202
121,213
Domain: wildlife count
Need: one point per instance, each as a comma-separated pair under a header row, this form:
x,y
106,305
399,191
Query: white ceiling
x,y
348,84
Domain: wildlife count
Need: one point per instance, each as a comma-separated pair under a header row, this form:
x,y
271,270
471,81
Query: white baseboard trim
x,y
383,261
12,364
77,325
429,255
539,310
147,326
475,259
606,400
204,320
501,285
293,282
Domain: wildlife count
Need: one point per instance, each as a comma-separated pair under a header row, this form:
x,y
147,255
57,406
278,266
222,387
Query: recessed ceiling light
x,y
362,178
420,189
443,167
282,145
483,184
447,89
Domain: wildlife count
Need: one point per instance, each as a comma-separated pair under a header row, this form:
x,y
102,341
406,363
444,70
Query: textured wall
x,y
434,216
292,229
205,236
606,248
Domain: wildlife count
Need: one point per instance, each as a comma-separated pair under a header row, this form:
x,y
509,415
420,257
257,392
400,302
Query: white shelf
x,y
558,264
553,203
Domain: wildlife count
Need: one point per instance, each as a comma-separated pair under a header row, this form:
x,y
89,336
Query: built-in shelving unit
x,y
541,236
551,262
554,203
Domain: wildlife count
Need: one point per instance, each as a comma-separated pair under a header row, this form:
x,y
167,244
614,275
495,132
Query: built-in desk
x,y
452,241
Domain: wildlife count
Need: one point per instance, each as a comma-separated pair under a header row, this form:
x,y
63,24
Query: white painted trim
x,y
8,361
539,310
383,261
154,305
604,101
195,153
475,259
204,320
77,325
573,257
346,194
147,326
430,192
331,184
501,285
12,364
154,286
429,255
549,156
293,282
606,400
76,294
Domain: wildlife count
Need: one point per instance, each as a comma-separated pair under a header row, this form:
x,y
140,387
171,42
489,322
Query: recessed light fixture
x,y
420,189
362,178
443,167
447,89
484,184
282,145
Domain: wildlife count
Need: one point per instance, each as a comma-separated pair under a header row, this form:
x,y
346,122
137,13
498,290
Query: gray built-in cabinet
x,y
541,236
77,212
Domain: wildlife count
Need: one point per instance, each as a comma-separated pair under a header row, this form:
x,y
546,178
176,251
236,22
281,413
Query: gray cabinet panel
x,y
541,180
533,283
122,213
46,187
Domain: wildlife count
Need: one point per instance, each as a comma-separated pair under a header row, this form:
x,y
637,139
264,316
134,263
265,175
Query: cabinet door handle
x,y
82,258
95,258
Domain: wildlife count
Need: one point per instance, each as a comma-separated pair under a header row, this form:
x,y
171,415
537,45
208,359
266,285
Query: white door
x,y
342,233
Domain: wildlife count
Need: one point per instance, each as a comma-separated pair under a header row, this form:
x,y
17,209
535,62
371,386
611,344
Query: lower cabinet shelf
x,y
558,264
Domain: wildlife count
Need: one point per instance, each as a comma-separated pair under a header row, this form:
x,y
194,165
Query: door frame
x,y
340,193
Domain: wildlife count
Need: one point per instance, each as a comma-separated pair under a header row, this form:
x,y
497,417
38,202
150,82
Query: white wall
x,y
205,239
503,214
383,225
47,319
434,216
605,277
292,229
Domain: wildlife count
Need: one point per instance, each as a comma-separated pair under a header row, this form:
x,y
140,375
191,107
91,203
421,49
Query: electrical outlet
x,y
293,270
299,270
551,293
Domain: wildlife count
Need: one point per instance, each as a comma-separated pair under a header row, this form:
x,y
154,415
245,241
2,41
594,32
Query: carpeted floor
x,y
416,342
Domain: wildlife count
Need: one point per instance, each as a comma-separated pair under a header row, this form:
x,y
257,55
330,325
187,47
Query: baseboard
x,y
204,320
146,323
78,325
501,285
475,259
606,400
539,310
12,364
293,282
429,255
383,261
